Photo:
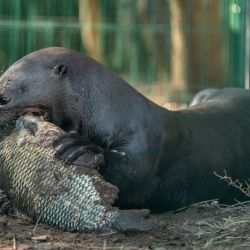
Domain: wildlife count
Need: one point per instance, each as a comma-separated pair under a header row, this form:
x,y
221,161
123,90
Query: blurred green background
x,y
167,49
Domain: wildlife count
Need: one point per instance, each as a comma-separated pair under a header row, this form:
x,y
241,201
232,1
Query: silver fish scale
x,y
47,190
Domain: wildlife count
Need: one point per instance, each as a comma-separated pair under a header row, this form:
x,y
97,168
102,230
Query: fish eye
x,y
22,89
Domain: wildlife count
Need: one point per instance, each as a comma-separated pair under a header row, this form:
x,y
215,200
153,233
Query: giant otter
x,y
204,96
159,159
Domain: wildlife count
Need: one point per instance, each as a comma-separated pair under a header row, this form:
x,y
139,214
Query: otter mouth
x,y
41,113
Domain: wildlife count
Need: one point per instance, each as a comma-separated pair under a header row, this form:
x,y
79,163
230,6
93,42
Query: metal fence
x,y
168,49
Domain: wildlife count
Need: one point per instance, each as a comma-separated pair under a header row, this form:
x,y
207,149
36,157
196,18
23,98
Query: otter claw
x,y
71,149
86,154
64,147
85,158
73,136
75,154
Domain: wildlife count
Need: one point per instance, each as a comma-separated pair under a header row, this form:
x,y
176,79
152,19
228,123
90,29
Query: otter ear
x,y
60,69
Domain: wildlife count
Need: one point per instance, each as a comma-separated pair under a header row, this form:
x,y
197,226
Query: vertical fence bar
x,y
31,30
187,29
67,34
247,53
3,51
204,33
167,52
14,33
134,33
151,72
119,35
242,43
49,33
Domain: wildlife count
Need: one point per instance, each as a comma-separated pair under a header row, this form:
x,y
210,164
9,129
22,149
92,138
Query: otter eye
x,y
60,69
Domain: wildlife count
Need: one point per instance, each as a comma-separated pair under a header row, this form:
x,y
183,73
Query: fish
x,y
70,197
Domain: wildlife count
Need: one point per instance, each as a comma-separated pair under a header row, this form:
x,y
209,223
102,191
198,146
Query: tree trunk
x,y
90,16
177,48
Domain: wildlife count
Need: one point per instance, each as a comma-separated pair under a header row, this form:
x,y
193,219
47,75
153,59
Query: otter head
x,y
37,83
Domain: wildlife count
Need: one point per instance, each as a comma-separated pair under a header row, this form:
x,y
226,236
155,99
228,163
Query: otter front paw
x,y
75,149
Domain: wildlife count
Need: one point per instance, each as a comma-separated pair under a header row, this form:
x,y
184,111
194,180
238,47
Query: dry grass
x,y
226,225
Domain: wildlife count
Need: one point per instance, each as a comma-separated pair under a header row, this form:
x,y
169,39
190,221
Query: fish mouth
x,y
4,100
40,112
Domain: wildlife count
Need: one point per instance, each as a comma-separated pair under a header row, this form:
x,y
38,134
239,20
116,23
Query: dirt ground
x,y
206,225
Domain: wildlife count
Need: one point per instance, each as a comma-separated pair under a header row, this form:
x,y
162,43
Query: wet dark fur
x,y
162,159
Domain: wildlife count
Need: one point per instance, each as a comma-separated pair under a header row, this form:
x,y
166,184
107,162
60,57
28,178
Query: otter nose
x,y
4,100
